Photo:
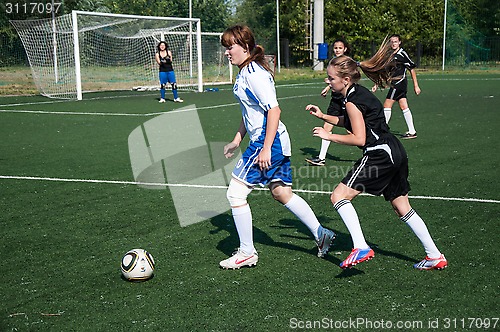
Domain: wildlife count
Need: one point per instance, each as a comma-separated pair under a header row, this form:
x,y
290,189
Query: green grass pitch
x,y
70,209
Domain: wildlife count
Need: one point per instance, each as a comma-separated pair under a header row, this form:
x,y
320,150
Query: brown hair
x,y
243,36
378,68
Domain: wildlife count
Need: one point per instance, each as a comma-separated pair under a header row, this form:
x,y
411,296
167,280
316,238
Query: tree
x,y
213,13
261,21
482,15
363,22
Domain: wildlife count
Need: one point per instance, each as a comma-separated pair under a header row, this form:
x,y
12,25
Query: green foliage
x,y
482,15
261,21
214,13
362,22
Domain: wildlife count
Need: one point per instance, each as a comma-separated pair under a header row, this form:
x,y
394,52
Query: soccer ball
x,y
137,265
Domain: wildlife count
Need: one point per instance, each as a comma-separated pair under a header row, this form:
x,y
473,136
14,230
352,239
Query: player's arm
x,y
332,119
273,119
170,55
410,65
324,92
235,143
262,87
157,58
416,88
356,137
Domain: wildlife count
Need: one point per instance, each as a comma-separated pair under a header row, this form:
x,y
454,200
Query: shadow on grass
x,y
312,153
293,229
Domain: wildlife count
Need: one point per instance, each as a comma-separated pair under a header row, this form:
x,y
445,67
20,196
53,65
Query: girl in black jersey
x,y
383,168
399,86
167,75
336,103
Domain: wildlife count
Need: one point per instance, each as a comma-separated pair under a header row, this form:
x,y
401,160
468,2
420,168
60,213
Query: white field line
x,y
184,109
36,178
117,114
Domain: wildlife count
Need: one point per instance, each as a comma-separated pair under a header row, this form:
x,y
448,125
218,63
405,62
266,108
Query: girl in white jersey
x,y
266,161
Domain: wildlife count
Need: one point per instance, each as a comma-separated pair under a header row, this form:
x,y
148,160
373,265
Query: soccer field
x,y
73,200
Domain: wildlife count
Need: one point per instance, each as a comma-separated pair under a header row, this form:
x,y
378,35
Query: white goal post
x,y
89,51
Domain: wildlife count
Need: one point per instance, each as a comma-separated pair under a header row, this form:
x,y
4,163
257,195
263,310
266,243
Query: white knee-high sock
x,y
409,121
243,221
418,227
299,207
387,113
324,148
351,220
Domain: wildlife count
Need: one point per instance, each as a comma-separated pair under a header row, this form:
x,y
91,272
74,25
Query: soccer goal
x,y
88,51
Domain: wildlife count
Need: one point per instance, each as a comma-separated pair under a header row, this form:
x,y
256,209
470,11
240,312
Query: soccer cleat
x,y
357,256
238,260
432,263
409,136
325,241
162,100
178,100
316,161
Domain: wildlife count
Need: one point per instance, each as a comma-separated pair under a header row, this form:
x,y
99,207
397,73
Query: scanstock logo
x,y
170,152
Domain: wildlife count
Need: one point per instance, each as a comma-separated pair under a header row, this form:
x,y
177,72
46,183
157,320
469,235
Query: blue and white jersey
x,y
255,91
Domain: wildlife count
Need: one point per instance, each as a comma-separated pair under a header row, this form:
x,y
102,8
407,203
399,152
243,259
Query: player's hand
x,y
229,149
320,132
417,90
324,92
374,88
315,110
264,159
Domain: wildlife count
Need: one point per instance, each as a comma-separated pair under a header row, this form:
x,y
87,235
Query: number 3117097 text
x,y
32,8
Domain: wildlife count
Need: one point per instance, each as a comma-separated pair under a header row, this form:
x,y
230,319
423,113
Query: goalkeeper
x,y
167,75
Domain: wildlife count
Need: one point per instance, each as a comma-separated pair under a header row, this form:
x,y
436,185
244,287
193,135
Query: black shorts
x,y
398,91
335,106
383,169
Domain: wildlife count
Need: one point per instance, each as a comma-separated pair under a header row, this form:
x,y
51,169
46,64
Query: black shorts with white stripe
x,y
398,90
383,169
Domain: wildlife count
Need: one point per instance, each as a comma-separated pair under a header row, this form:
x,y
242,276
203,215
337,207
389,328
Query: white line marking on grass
x,y
73,101
136,114
116,114
36,178
71,113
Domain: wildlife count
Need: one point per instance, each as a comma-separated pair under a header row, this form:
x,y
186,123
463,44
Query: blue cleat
x,y
325,241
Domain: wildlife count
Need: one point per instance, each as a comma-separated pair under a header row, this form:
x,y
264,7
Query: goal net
x,y
86,51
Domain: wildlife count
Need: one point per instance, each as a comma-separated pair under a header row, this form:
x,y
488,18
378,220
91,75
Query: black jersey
x,y
372,110
165,63
336,104
383,169
401,62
